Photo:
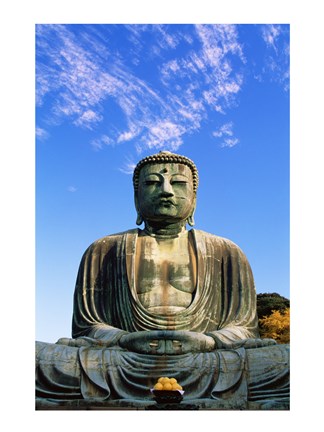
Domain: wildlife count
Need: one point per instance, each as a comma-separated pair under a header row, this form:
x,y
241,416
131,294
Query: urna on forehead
x,y
165,157
171,168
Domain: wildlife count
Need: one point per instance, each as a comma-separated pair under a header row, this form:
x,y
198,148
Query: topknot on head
x,y
165,157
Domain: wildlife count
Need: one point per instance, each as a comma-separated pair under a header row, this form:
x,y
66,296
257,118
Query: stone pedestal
x,y
131,405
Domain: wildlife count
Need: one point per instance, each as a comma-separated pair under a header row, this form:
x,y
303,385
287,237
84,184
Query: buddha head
x,y
165,187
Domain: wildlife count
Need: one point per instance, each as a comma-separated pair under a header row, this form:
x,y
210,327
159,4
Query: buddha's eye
x,y
179,182
151,182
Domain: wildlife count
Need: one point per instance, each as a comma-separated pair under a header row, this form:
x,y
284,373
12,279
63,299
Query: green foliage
x,y
266,303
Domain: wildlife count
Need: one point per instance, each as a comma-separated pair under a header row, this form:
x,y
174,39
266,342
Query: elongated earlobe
x,y
191,220
139,219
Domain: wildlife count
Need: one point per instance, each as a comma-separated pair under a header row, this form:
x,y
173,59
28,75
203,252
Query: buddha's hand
x,y
170,342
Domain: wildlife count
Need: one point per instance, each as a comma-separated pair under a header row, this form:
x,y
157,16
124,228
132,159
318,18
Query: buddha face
x,y
165,192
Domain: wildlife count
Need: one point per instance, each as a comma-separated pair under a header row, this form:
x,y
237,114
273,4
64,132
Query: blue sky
x,y
108,95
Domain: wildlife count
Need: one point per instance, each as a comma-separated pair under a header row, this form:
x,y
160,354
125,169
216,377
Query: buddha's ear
x,y
139,219
190,219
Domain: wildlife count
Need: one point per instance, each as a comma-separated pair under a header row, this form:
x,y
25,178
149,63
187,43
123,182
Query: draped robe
x,y
93,366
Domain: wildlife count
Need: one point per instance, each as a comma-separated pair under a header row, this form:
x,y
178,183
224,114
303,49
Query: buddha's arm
x,y
233,297
96,330
229,335
105,333
242,327
91,314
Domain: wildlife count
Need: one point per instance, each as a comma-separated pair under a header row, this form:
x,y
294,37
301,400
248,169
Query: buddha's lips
x,y
164,201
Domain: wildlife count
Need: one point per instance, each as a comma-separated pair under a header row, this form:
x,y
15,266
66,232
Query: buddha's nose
x,y
167,188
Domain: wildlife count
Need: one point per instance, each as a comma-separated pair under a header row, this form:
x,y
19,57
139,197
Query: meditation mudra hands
x,y
174,342
167,342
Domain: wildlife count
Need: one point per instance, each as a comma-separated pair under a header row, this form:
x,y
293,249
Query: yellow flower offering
x,y
165,383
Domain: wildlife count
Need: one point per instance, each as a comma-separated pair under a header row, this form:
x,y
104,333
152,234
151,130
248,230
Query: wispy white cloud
x,y
128,167
88,118
226,135
71,72
166,40
41,134
270,34
229,142
126,136
165,134
226,129
170,67
84,75
101,142
276,64
206,78
72,189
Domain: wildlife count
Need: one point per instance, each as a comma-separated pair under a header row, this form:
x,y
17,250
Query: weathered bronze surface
x,y
163,301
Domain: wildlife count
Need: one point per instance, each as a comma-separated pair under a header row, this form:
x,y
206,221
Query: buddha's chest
x,y
165,273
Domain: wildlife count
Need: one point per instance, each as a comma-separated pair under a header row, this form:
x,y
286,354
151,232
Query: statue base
x,y
127,404
172,406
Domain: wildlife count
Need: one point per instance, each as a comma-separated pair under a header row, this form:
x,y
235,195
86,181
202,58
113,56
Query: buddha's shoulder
x,y
110,240
216,240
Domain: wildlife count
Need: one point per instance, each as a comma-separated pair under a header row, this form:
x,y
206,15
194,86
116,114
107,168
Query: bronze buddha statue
x,y
164,300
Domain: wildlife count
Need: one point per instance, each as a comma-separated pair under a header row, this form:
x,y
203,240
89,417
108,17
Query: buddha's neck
x,y
165,230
